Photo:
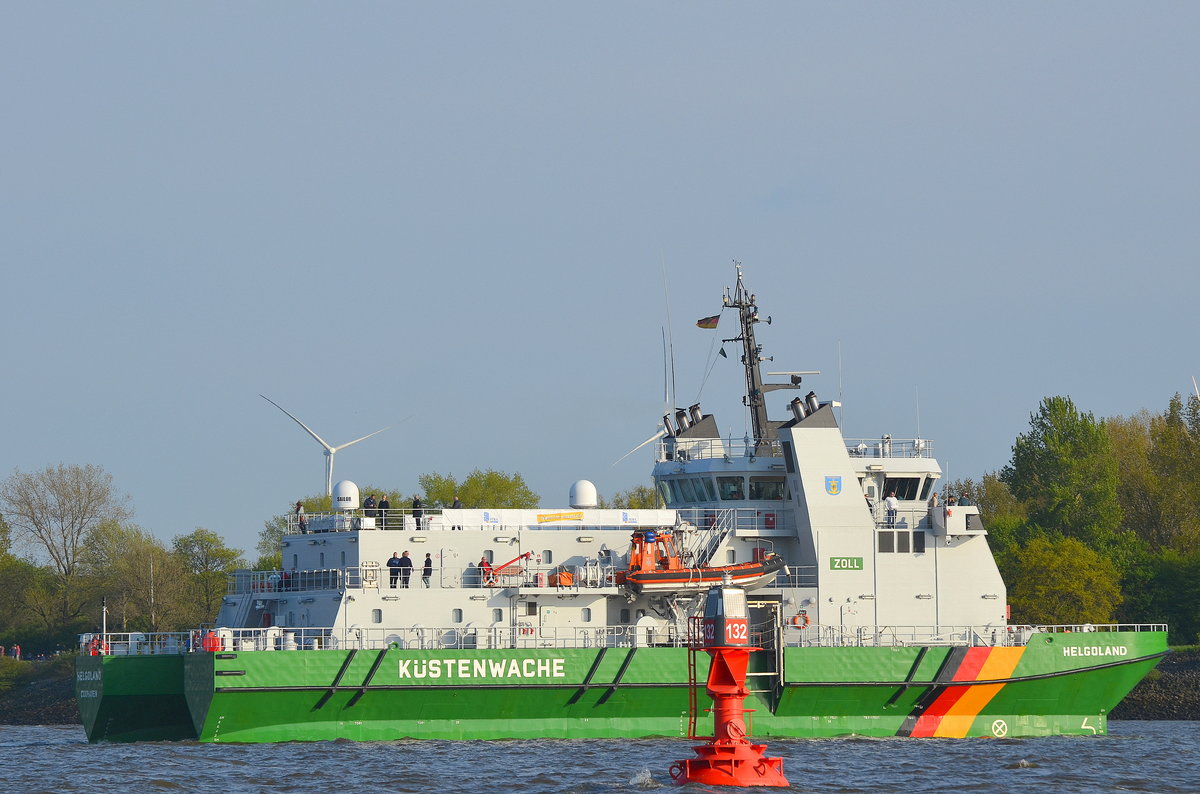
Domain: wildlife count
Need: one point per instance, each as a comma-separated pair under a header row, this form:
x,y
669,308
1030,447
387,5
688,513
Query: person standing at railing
x,y
405,570
456,506
300,517
893,506
384,507
417,510
427,570
394,567
369,506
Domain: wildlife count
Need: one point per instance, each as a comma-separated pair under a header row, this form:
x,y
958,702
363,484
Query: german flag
x,y
709,322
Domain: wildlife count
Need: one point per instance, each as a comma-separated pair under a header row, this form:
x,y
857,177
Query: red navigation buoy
x,y
729,758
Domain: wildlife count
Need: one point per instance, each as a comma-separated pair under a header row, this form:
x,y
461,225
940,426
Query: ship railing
x,y
135,643
589,575
915,518
888,447
797,576
682,449
815,635
468,636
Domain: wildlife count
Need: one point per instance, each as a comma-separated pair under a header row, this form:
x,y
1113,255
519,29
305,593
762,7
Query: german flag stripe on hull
x,y
949,711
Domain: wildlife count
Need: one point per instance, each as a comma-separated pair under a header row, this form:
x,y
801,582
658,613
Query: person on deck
x,y
456,506
427,570
384,506
405,570
394,567
300,517
417,510
893,506
485,572
369,506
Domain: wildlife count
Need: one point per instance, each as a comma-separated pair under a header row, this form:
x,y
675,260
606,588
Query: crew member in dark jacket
x,y
394,566
427,571
405,569
417,511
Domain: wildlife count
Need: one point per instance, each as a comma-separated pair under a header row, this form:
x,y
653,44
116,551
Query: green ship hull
x,y
1059,683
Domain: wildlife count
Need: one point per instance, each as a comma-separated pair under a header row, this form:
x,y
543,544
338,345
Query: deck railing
x,y
526,635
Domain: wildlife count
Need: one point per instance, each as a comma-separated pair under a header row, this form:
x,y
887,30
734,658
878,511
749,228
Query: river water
x,y
1135,756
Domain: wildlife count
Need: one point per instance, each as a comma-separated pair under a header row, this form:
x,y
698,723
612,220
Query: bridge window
x,y
929,481
706,487
766,487
688,489
906,488
731,488
665,493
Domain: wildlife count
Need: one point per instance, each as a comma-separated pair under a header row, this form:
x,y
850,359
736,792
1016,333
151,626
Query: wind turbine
x,y
330,451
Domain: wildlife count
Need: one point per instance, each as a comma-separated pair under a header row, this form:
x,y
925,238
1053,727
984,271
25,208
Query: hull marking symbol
x,y
1089,727
999,728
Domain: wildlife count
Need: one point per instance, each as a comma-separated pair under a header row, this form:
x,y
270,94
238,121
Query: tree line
x,y
1097,520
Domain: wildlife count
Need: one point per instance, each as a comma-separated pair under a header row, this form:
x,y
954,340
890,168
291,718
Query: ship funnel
x,y
668,424
682,418
695,413
797,406
811,399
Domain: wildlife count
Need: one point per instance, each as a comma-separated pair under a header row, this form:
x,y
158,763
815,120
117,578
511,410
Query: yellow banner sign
x,y
544,518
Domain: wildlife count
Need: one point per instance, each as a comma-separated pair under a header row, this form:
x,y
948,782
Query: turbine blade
x,y
654,437
364,438
320,440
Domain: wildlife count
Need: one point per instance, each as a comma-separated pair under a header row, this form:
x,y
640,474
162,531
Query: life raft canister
x,y
769,520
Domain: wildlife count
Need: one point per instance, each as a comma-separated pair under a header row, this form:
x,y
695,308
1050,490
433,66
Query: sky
x,y
475,220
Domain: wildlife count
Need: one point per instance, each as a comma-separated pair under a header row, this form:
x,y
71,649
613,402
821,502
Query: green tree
x,y
1137,485
145,586
488,488
1175,462
53,510
1063,581
639,497
1170,593
210,561
1065,473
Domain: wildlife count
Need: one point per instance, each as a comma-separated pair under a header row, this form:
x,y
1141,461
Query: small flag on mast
x,y
709,322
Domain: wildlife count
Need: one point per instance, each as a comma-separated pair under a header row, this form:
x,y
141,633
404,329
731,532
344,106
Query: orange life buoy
x,y
800,619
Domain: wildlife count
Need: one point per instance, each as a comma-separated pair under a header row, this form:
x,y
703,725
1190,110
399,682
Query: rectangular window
x,y
731,557
343,559
624,616
731,488
456,615
497,615
688,490
585,614
906,488
676,494
788,462
918,542
927,487
295,561
491,557
531,608
709,492
902,539
376,615
547,557
665,493
322,563
766,487
887,542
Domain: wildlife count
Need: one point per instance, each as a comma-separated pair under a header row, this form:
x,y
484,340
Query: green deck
x,y
1061,684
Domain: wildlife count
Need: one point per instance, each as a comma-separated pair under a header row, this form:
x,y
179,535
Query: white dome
x,y
583,494
345,496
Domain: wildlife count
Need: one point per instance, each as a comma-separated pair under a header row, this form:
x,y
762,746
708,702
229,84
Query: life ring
x,y
800,619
